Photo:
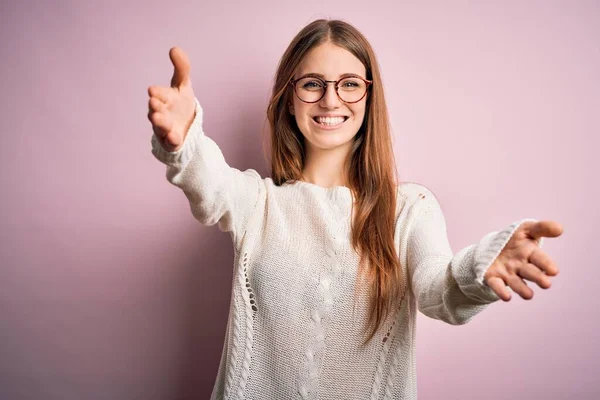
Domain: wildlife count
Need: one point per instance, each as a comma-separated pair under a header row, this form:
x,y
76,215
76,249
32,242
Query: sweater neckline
x,y
336,193
337,188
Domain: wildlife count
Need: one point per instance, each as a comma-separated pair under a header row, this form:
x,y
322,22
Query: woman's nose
x,y
330,99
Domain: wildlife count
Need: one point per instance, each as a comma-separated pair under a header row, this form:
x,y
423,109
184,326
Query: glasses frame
x,y
367,82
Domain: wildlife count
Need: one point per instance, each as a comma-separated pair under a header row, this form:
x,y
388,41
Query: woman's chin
x,y
329,142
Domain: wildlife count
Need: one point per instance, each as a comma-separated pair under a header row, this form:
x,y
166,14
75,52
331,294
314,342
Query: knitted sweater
x,y
295,324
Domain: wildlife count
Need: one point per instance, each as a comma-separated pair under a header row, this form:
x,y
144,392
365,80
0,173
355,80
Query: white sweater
x,y
294,325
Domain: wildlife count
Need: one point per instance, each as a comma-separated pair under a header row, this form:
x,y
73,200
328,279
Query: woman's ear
x,y
291,108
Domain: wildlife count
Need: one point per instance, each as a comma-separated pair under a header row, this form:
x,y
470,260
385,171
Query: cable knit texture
x,y
295,322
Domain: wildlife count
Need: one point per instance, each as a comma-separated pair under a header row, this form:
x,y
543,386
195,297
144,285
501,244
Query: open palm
x,y
522,258
171,110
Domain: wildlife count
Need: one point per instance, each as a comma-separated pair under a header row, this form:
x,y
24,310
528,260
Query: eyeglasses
x,y
311,89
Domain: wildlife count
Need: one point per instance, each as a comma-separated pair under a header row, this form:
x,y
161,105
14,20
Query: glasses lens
x,y
351,89
311,89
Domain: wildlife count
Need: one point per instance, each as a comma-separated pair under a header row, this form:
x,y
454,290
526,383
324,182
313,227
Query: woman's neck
x,y
326,168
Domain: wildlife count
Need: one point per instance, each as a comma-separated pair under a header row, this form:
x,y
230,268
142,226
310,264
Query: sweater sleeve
x,y
217,193
448,286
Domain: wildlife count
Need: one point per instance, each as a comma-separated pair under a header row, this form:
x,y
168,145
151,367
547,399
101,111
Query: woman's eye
x,y
312,84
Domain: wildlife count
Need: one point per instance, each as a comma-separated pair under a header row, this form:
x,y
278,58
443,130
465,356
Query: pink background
x,y
109,289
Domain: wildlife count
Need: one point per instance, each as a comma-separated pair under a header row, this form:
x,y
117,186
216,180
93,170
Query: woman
x,y
332,256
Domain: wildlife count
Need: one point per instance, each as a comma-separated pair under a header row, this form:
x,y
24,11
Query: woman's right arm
x,y
217,193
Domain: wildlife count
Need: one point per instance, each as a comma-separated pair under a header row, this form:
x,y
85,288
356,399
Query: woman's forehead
x,y
331,62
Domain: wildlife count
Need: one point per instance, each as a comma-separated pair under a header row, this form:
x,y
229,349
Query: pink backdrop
x,y
109,289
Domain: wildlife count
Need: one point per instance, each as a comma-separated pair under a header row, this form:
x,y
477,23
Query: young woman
x,y
333,256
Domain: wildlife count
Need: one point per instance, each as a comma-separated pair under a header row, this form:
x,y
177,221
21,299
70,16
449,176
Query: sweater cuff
x,y
191,141
469,275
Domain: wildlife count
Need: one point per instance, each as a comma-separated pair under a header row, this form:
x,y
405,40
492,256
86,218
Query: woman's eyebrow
x,y
323,76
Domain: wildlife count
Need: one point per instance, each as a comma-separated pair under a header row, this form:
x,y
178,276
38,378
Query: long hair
x,y
370,165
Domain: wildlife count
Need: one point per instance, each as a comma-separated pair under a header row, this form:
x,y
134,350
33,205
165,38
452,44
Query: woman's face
x,y
331,62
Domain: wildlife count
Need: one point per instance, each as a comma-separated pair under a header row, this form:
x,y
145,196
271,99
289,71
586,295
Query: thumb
x,y
181,64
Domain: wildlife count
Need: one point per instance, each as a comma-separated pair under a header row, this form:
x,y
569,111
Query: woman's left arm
x,y
455,287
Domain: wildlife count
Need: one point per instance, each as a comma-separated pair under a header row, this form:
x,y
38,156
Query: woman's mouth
x,y
329,122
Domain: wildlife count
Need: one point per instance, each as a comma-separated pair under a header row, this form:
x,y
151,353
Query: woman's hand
x,y
521,259
171,110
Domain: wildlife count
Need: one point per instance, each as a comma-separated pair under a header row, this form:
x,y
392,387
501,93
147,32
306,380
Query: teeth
x,y
330,120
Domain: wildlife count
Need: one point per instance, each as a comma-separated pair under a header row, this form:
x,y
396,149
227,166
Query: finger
x,y
154,104
151,112
160,92
534,274
155,118
181,64
499,287
519,286
162,124
544,229
543,261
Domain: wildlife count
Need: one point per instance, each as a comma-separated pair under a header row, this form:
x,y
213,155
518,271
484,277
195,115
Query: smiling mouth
x,y
331,122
